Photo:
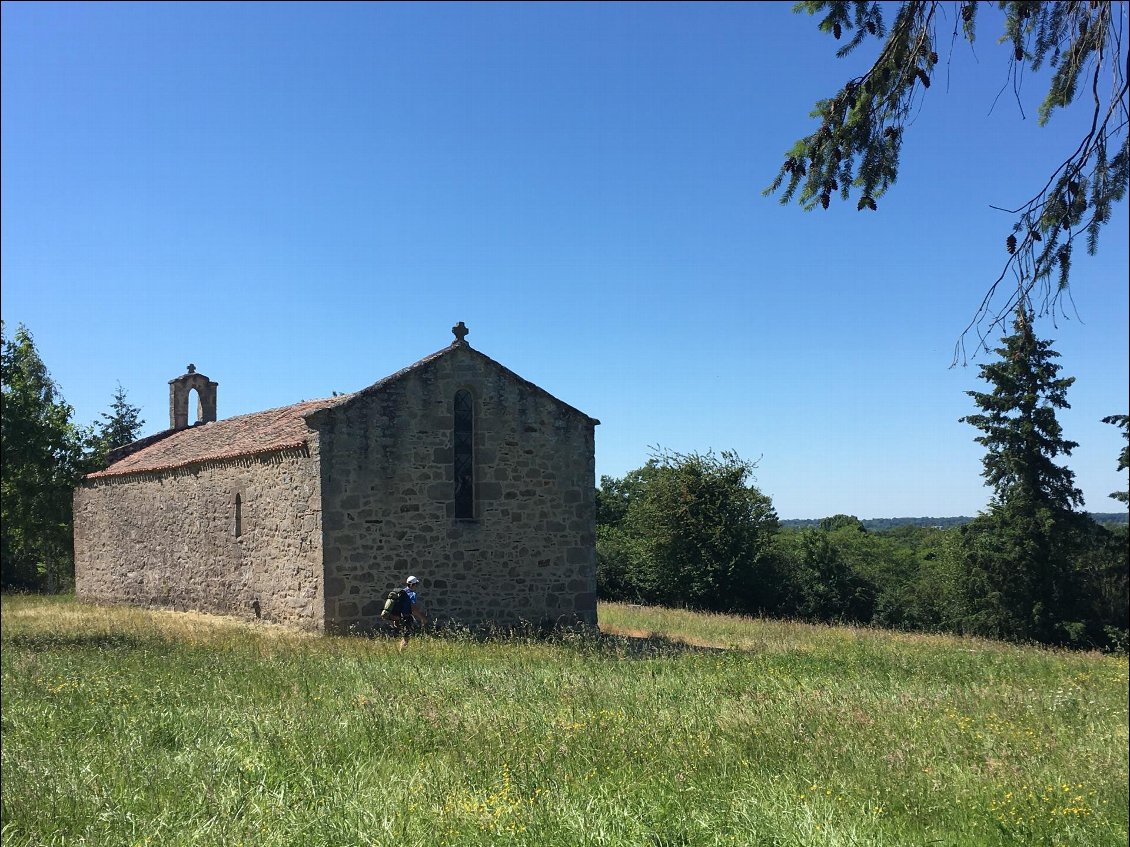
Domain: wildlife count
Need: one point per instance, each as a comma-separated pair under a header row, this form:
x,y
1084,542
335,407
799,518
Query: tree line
x,y
872,524
884,523
691,530
45,452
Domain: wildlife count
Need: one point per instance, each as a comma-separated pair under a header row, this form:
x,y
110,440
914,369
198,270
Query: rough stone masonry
x,y
307,515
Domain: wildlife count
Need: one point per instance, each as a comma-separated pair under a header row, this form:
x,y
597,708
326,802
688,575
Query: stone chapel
x,y
454,469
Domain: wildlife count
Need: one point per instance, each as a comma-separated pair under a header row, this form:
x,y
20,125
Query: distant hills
x,y
939,523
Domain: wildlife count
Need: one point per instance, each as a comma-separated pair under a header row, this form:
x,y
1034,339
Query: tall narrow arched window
x,y
464,441
238,516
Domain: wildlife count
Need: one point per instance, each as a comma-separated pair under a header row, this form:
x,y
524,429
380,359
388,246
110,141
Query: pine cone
x,y
837,30
1010,244
825,199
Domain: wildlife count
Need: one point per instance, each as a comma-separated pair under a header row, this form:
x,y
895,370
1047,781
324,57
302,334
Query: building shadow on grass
x,y
583,640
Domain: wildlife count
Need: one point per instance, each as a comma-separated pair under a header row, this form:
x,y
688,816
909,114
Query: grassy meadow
x,y
130,727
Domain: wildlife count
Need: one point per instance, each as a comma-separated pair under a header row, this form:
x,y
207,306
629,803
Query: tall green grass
x,y
127,727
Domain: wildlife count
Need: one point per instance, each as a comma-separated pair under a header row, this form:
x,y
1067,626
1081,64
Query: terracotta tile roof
x,y
264,432
246,435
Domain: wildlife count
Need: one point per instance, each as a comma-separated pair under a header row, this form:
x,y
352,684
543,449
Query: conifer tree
x,y
1122,421
1022,435
121,425
1021,582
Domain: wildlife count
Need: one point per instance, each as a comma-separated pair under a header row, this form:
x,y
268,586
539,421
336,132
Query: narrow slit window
x,y
238,516
464,456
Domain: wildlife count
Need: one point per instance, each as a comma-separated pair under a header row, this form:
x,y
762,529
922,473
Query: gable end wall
x,y
388,500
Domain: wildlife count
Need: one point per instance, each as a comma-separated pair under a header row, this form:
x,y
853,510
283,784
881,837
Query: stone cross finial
x,y
192,368
460,330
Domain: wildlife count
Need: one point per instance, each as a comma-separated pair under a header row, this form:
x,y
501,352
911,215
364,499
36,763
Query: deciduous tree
x,y
821,583
42,459
691,531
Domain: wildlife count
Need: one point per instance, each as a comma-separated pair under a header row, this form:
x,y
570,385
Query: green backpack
x,y
397,605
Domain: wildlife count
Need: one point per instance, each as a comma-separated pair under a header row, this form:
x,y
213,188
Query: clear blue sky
x,y
303,198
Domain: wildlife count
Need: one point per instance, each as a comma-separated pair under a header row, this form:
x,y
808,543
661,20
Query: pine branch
x,y
856,149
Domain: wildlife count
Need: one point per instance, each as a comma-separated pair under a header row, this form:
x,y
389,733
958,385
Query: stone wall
x,y
169,539
388,493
